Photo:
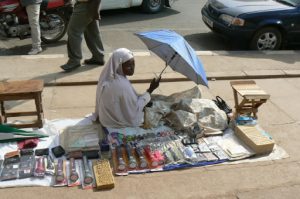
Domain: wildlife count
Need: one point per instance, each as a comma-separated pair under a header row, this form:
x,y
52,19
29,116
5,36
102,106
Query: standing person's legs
x,y
93,40
77,25
33,12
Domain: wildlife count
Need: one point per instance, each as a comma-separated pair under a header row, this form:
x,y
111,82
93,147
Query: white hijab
x,y
113,67
117,103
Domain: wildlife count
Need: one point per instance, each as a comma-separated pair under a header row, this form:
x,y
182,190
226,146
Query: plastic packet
x,y
39,168
73,172
189,154
88,176
10,168
26,166
132,163
176,152
154,162
60,174
141,158
49,165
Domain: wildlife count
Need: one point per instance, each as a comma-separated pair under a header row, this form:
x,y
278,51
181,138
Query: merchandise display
x,y
159,151
91,160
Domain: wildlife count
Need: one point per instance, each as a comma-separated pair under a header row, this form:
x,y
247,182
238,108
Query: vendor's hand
x,y
154,84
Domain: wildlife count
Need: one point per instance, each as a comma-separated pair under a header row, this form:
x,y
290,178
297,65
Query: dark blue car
x,y
263,24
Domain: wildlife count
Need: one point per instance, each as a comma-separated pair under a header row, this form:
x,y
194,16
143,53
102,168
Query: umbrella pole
x,y
163,70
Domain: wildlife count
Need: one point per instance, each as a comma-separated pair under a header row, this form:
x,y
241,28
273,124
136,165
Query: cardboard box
x,y
255,138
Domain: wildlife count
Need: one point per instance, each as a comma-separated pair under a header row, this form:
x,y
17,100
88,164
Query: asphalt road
x,y
118,28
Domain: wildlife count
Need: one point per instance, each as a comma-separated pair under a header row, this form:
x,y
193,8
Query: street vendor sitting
x,y
117,103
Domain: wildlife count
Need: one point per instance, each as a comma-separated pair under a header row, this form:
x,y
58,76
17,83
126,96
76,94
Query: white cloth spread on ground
x,y
54,127
117,103
51,128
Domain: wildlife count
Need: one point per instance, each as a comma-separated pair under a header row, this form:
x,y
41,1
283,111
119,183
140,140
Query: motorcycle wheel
x,y
53,27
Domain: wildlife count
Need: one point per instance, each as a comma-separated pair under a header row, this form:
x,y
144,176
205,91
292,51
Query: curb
x,y
209,78
149,53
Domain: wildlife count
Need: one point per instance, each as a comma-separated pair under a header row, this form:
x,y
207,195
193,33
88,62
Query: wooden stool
x,y
252,97
22,90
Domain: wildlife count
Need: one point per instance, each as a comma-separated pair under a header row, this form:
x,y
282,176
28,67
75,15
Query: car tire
x,y
169,3
153,6
268,38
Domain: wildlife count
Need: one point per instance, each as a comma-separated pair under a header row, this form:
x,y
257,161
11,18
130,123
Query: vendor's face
x,y
128,67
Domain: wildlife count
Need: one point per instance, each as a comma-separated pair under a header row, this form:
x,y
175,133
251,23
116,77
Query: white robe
x,y
117,103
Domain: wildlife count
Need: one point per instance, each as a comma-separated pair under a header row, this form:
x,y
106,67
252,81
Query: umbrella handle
x,y
159,77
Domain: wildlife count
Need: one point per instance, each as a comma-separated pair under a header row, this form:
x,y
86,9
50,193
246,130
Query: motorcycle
x,y
54,17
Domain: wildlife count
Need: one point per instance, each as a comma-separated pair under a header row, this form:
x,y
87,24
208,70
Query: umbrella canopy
x,y
176,52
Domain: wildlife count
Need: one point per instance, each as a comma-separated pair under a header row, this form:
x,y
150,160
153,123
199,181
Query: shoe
x,y
92,61
70,67
35,51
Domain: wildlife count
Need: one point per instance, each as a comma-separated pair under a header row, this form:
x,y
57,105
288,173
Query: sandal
x,y
222,105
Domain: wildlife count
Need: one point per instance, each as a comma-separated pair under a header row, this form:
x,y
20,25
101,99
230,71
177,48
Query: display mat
x,y
54,127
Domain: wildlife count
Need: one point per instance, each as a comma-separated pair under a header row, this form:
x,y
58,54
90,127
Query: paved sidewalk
x,y
218,65
279,116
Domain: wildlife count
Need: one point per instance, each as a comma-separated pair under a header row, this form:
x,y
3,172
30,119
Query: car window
x,y
289,2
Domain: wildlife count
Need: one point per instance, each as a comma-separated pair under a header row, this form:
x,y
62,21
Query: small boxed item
x,y
103,174
255,138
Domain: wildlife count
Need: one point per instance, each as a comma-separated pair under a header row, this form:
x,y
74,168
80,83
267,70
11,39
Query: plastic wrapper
x,y
141,158
132,163
194,92
26,167
154,162
88,176
152,117
210,156
121,165
208,114
73,172
81,137
60,174
49,165
39,169
181,120
10,168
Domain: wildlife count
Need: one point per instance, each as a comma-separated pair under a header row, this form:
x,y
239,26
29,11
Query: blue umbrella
x,y
176,52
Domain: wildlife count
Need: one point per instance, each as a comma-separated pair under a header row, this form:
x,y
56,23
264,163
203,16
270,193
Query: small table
x,y
252,97
22,90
